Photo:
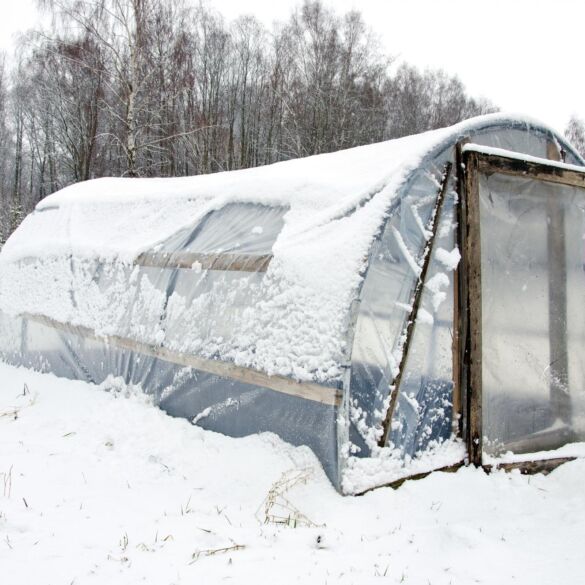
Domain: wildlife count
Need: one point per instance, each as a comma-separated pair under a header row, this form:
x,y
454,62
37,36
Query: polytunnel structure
x,y
400,307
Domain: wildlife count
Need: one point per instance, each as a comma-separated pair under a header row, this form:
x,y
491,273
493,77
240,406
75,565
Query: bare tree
x,y
419,101
575,133
6,151
156,88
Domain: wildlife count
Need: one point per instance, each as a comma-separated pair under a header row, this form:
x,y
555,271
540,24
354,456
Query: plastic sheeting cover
x,y
320,219
533,314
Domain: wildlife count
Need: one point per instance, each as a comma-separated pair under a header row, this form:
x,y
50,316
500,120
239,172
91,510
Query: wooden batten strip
x,y
544,466
459,302
188,260
499,163
473,343
306,390
560,398
414,477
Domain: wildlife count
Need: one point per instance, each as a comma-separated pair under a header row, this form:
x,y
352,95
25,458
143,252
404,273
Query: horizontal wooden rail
x,y
195,260
489,163
306,390
532,467
544,466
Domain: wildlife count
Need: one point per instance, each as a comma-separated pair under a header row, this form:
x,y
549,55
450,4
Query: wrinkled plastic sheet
x,y
386,302
167,301
213,402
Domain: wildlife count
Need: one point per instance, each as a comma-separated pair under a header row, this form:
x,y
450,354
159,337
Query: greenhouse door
x,y
523,291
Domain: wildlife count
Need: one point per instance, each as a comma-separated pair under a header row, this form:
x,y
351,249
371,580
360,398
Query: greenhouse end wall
x,y
533,314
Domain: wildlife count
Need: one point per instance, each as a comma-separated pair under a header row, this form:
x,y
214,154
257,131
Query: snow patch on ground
x,y
101,487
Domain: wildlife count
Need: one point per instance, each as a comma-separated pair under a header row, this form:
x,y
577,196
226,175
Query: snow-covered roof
x,y
121,217
336,204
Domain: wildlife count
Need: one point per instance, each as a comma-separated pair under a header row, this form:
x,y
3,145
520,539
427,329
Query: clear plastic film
x,y
533,314
386,303
423,415
242,228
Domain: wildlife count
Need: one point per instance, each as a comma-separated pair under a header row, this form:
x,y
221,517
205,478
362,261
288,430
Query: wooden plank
x,y
411,321
459,296
542,440
557,302
552,151
473,353
190,260
456,359
544,466
415,476
306,390
492,163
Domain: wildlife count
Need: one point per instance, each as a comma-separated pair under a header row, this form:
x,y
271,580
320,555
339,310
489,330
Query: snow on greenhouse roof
x,y
296,318
121,217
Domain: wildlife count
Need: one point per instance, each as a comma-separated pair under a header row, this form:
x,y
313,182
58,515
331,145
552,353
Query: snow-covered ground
x,y
101,487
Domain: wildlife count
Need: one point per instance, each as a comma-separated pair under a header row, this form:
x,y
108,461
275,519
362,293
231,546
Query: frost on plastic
x,y
423,431
422,418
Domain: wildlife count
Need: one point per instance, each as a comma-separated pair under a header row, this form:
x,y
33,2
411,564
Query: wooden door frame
x,y
474,160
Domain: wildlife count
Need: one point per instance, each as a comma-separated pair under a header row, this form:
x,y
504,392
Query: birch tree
x,y
160,88
575,133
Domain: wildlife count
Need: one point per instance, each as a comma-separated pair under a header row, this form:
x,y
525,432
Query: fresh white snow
x,y
101,487
491,150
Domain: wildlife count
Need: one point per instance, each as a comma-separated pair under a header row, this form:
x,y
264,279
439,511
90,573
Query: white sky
x,y
524,55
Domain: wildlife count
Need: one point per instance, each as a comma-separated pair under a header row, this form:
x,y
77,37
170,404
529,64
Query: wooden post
x,y
557,302
459,297
472,353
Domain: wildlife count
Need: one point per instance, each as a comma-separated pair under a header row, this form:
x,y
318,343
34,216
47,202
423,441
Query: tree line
x,y
161,88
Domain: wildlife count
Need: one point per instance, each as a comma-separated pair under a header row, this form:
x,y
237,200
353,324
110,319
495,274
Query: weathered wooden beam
x,y
194,260
415,476
306,390
460,301
544,466
473,302
542,441
557,302
498,163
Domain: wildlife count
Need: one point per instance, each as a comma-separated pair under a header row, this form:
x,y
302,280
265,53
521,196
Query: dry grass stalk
x,y
7,481
215,551
14,411
278,509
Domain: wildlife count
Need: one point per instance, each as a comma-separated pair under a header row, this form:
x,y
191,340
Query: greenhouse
x,y
401,307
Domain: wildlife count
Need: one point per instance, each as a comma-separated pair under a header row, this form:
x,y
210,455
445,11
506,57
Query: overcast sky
x,y
524,55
